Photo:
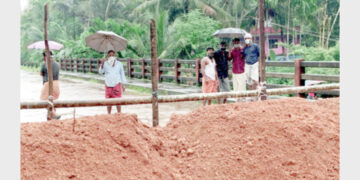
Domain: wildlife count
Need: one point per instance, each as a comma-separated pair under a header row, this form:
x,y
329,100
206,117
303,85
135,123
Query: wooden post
x,y
177,65
159,71
154,74
197,66
98,63
50,112
297,75
77,64
72,64
128,66
262,64
61,64
143,68
83,65
65,64
90,65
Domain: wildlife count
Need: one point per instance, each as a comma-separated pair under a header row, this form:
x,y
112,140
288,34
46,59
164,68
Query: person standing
x,y
55,73
221,57
209,73
114,78
251,53
238,62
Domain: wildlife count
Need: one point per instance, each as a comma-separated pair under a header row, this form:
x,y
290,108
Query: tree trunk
x,y
287,31
332,27
186,6
282,38
107,10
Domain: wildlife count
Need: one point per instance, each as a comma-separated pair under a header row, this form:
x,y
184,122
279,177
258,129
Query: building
x,y
273,37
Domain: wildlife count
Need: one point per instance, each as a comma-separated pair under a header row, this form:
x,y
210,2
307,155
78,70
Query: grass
x,y
30,68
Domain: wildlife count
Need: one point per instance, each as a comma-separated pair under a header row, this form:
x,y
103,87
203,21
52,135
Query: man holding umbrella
x,y
114,78
110,42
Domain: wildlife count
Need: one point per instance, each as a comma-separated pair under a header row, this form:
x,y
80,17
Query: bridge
x,y
186,73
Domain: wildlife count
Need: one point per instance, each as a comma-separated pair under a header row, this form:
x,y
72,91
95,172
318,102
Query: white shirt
x,y
113,75
210,68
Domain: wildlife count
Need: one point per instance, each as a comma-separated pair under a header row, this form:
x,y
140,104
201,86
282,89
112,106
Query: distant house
x,y
272,37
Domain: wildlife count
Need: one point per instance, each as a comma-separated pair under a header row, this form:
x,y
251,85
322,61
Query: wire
x,y
301,31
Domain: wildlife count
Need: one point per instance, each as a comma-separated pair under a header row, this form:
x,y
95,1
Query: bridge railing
x,y
188,71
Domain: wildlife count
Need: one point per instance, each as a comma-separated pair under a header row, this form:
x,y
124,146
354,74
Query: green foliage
x,y
190,35
184,27
272,55
315,53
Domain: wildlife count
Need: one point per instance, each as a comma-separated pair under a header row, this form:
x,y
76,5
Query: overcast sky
x,y
24,4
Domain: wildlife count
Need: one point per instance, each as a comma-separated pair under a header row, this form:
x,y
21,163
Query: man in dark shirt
x,y
221,59
251,53
55,69
44,73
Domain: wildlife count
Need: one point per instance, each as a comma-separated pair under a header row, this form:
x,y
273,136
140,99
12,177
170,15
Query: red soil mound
x,y
275,139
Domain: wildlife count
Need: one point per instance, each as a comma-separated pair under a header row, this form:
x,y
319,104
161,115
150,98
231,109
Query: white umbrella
x,y
41,45
104,41
229,33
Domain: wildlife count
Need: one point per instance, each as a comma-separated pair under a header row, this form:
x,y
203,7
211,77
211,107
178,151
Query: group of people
x,y
215,67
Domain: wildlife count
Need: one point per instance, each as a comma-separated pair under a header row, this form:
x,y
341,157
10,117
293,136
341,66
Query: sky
x,y
24,4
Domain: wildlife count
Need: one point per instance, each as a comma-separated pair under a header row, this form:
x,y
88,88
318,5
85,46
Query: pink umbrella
x,y
41,45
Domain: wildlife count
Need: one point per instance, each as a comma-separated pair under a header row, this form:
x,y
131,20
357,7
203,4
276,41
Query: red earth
x,y
288,138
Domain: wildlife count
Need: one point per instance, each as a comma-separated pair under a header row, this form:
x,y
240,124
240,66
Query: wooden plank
x,y
182,61
167,61
166,69
320,64
280,63
320,77
187,70
280,75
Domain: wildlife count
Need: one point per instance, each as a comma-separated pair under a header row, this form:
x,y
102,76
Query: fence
x,y
188,71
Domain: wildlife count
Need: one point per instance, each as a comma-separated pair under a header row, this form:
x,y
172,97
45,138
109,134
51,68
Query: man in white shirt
x,y
115,79
210,81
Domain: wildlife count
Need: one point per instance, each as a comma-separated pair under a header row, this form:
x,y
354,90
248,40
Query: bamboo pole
x,y
174,98
49,68
262,52
154,74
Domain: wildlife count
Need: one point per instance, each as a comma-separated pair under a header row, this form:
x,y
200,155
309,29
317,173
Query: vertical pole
x,y
297,75
262,51
128,67
72,64
90,65
83,65
159,71
77,64
143,68
98,63
154,74
176,70
49,69
197,66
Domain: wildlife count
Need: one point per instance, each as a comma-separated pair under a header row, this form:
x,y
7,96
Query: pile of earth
x,y
288,138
